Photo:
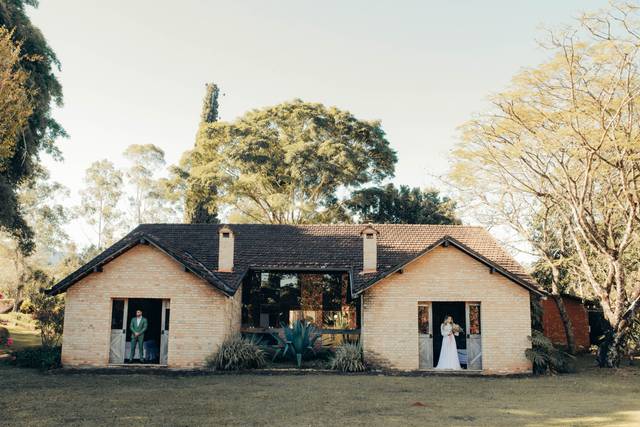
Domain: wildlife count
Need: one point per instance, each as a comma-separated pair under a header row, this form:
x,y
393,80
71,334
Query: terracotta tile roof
x,y
305,247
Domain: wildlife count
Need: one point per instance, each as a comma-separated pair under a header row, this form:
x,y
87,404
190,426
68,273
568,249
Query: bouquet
x,y
456,329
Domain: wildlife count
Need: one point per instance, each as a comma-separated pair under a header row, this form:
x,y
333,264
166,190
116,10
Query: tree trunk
x,y
568,326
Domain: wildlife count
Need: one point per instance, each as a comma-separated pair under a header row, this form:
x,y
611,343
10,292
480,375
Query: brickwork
x,y
554,327
201,316
390,310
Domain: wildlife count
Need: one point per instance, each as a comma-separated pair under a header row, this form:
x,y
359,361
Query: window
x,y
369,235
270,298
117,314
423,319
474,319
226,235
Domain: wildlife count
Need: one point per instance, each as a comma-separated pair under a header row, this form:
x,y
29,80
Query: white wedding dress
x,y
449,351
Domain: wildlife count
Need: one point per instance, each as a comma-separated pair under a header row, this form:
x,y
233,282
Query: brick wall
x,y
201,316
390,310
554,328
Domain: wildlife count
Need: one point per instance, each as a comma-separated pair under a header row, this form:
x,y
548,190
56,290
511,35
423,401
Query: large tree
x,y
401,205
286,163
566,136
15,96
100,198
22,163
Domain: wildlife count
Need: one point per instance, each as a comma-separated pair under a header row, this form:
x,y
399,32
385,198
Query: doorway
x,y
156,311
456,310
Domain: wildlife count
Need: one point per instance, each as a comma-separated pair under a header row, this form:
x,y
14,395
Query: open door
x,y
474,336
164,333
118,331
425,336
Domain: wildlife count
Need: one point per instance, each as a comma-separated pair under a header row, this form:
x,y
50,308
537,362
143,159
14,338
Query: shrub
x,y
48,312
546,358
4,336
348,358
43,358
237,353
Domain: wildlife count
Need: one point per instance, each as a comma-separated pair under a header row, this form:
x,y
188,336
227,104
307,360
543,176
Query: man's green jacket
x,y
139,329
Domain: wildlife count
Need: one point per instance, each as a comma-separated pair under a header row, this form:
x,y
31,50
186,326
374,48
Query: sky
x,y
134,72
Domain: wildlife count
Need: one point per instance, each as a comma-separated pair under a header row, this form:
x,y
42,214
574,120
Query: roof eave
x,y
450,240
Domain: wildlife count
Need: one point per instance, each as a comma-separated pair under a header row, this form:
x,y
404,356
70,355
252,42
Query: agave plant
x,y
299,338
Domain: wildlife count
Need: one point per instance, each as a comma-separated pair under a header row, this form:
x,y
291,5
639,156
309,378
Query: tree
x,y
99,205
46,216
201,194
153,198
286,163
565,137
402,205
15,105
22,161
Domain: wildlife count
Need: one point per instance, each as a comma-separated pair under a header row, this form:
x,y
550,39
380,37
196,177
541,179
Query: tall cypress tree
x,y
200,201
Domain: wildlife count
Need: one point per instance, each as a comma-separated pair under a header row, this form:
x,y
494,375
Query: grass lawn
x,y
592,397
21,330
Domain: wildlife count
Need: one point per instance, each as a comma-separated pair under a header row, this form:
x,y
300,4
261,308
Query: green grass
x,y
591,397
22,331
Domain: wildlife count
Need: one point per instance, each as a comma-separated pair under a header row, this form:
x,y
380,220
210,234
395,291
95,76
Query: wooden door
x,y
118,331
474,336
164,332
425,336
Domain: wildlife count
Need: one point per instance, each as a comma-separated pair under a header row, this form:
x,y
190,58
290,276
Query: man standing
x,y
137,327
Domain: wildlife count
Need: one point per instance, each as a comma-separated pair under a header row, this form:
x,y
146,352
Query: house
x,y
553,327
392,284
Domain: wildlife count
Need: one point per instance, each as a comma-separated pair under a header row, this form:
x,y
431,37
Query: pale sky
x,y
133,72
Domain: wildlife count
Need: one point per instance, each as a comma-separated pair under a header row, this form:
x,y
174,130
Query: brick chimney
x,y
369,249
225,249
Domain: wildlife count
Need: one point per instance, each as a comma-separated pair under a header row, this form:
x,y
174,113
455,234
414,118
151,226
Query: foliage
x,y
201,191
15,96
286,163
546,358
48,312
152,196
237,353
5,337
37,62
348,358
46,216
100,197
402,205
558,155
299,339
43,358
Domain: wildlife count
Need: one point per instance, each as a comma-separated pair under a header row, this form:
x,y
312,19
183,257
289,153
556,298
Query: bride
x,y
449,351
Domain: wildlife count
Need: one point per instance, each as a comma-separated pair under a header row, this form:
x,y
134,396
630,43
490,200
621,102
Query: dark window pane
x,y
167,313
117,314
423,319
474,319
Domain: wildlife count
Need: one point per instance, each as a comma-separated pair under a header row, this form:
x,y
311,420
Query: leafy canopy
x,y
402,205
286,163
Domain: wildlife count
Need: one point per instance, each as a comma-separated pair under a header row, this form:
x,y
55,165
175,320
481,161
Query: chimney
x,y
225,249
369,249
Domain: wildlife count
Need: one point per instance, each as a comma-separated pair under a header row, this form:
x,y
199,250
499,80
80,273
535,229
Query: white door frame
x,y
118,337
474,341
425,341
164,332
